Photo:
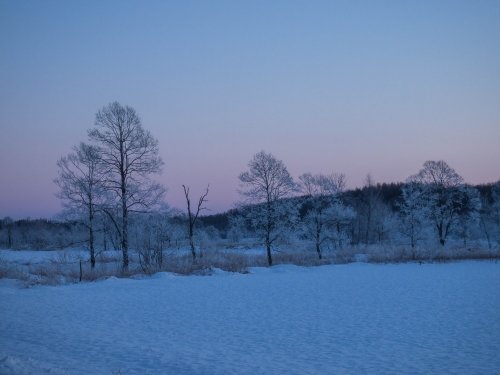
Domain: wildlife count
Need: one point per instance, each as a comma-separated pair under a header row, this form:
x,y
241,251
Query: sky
x,y
355,87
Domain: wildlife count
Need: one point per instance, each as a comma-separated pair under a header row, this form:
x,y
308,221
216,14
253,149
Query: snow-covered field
x,y
336,319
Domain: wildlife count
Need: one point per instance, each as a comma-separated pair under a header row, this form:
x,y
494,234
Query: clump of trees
x,y
438,194
41,234
112,175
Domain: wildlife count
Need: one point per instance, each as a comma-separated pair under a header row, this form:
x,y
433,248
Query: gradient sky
x,y
326,86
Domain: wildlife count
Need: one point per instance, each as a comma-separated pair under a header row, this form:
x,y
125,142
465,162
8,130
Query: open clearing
x,y
342,319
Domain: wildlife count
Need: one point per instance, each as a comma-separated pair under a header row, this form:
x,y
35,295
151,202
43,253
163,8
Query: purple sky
x,y
327,86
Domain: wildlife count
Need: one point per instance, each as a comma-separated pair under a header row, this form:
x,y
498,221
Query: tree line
x,y
433,205
106,186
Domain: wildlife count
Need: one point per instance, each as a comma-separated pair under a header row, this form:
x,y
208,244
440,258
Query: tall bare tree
x,y
129,155
80,180
193,215
266,182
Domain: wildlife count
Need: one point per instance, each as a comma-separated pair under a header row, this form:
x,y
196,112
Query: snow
x,y
342,319
26,257
69,255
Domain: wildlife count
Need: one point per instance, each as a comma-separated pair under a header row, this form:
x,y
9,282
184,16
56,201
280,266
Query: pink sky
x,y
331,87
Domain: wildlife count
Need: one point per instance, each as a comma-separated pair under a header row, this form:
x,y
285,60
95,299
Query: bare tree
x,y
193,215
323,205
266,182
129,155
80,180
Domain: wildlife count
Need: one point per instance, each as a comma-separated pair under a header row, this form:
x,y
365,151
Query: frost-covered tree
x,y
264,185
238,227
324,209
441,195
412,212
129,155
383,222
153,233
341,218
468,212
371,213
208,237
81,187
487,227
494,211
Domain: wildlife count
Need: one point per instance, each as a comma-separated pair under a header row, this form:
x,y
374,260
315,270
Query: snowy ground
x,y
338,319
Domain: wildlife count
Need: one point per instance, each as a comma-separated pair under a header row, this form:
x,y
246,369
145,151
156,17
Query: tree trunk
x,y
464,234
268,249
318,250
91,245
91,232
413,235
191,243
368,223
485,230
9,237
104,239
440,234
268,233
123,188
124,233
318,247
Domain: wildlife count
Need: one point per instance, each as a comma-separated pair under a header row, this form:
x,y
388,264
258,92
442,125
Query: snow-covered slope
x,y
340,319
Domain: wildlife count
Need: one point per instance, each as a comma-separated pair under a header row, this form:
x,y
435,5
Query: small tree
x,y
193,216
80,182
238,228
324,209
153,236
129,155
266,182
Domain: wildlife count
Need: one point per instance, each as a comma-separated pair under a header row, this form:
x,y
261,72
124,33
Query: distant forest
x,y
384,200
